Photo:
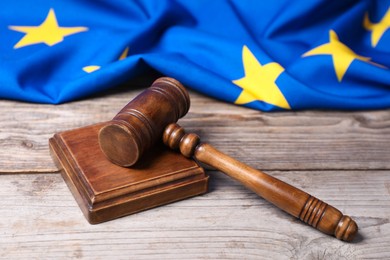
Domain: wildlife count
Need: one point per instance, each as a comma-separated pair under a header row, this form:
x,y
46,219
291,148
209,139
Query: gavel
x,y
153,114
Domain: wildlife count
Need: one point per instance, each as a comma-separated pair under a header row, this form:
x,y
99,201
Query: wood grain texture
x,y
341,157
39,219
285,196
315,140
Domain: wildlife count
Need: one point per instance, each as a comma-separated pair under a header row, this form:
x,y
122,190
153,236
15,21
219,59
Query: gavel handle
x,y
294,201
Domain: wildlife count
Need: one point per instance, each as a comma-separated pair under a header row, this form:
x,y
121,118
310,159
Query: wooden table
x,y
341,157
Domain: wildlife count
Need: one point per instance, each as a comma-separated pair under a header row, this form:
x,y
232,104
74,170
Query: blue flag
x,y
267,55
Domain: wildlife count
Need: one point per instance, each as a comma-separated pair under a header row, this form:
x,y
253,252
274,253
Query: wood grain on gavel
x,y
288,198
141,122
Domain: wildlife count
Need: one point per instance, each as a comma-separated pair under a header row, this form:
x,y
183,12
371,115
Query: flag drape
x,y
267,55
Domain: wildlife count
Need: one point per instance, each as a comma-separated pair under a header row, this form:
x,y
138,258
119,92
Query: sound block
x,y
105,191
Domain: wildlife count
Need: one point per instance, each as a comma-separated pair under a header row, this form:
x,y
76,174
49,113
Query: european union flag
x,y
267,55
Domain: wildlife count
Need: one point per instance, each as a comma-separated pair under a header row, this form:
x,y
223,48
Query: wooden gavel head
x,y
142,121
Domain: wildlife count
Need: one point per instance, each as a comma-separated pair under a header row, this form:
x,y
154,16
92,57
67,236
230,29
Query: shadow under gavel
x,y
152,115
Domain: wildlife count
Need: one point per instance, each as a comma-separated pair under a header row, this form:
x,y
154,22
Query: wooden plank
x,y
270,141
40,219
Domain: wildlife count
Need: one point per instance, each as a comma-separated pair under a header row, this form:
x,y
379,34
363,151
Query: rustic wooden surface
x,y
341,157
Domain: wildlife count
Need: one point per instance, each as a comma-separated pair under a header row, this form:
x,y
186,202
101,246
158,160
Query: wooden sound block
x,y
105,191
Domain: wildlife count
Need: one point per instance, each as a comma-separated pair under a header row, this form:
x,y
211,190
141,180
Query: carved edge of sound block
x,y
127,204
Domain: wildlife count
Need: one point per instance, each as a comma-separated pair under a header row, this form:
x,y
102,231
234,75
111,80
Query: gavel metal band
x,y
126,138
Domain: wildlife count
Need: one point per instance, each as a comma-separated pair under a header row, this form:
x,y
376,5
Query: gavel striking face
x,y
152,115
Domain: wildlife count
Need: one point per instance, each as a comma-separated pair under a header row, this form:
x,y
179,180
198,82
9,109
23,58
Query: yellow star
x,y
259,82
47,32
124,54
92,68
378,29
342,55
